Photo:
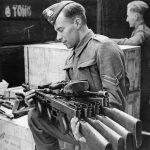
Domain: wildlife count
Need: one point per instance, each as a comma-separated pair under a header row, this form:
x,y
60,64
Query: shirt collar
x,y
83,42
140,23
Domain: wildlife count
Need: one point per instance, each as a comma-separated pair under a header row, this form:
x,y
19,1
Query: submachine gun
x,y
104,128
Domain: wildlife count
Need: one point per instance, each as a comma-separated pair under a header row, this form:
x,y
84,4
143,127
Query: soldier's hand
x,y
20,96
29,100
75,130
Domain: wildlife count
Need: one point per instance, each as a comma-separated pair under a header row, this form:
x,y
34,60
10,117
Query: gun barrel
x,y
99,93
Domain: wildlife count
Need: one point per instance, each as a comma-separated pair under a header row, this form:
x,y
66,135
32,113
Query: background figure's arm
x,y
136,40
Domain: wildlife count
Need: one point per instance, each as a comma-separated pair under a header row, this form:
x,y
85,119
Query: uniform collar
x,y
83,42
137,26
140,23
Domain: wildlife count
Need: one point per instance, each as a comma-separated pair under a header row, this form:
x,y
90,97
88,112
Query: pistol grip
x,y
63,123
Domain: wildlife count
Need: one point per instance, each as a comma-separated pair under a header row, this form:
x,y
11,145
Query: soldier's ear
x,y
78,22
136,15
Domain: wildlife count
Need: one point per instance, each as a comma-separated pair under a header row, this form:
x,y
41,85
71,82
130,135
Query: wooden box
x,y
44,63
133,65
15,134
133,103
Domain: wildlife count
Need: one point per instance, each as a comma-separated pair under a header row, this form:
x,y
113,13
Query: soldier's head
x,y
68,18
135,12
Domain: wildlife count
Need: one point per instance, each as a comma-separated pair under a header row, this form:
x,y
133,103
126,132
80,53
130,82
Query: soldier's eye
x,y
61,29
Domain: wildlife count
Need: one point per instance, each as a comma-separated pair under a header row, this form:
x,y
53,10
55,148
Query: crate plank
x,y
133,65
44,63
133,103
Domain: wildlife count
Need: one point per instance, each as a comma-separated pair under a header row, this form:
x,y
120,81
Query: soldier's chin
x,y
131,26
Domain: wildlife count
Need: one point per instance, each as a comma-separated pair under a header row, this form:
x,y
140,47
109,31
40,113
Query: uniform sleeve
x,y
136,40
112,71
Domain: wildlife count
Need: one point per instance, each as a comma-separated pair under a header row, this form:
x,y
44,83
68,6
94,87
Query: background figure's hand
x,y
75,130
29,97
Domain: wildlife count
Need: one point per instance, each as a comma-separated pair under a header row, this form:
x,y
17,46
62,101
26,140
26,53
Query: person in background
x,y
140,37
94,58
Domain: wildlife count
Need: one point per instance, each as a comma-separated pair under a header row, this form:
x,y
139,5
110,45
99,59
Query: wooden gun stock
x,y
129,143
131,123
93,138
115,139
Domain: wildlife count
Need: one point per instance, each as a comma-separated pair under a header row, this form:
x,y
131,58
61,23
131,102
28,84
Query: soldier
x,y
140,36
95,58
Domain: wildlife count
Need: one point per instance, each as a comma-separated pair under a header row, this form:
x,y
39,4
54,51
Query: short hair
x,y
75,9
138,6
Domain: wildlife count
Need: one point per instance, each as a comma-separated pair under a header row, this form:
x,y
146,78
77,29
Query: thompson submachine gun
x,y
104,128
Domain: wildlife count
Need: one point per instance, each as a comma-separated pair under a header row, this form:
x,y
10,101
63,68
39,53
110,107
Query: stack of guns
x,y
103,127
6,103
13,107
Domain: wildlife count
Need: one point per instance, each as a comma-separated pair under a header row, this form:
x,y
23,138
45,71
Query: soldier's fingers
x,y
74,121
78,135
27,97
20,94
28,102
76,130
30,92
77,125
82,139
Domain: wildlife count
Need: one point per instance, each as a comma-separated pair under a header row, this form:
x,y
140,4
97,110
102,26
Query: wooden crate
x,y
133,65
145,141
133,103
44,63
15,134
